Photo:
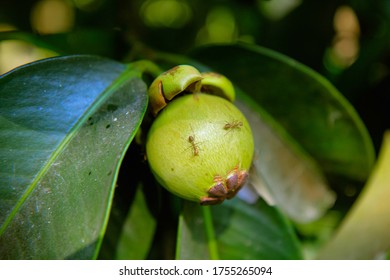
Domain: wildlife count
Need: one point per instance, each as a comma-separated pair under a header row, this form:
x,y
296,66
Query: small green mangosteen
x,y
200,146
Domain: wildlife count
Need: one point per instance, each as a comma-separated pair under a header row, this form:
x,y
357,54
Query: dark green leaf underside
x,y
131,228
282,172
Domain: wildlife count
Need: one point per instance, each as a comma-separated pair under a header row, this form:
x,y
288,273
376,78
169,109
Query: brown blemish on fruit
x,y
218,190
172,71
158,101
205,201
232,181
225,187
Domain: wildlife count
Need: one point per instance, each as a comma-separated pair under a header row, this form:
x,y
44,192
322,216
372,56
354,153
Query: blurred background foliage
x,y
347,41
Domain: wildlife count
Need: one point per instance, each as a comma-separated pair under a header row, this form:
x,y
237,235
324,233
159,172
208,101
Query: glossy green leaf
x,y
311,110
235,230
365,232
65,124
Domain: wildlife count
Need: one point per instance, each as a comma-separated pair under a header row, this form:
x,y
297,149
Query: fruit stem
x,y
146,66
210,233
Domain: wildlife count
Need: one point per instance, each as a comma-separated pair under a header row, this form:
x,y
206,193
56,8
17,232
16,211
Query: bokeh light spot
x,y
345,46
166,13
52,16
220,27
277,9
14,53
